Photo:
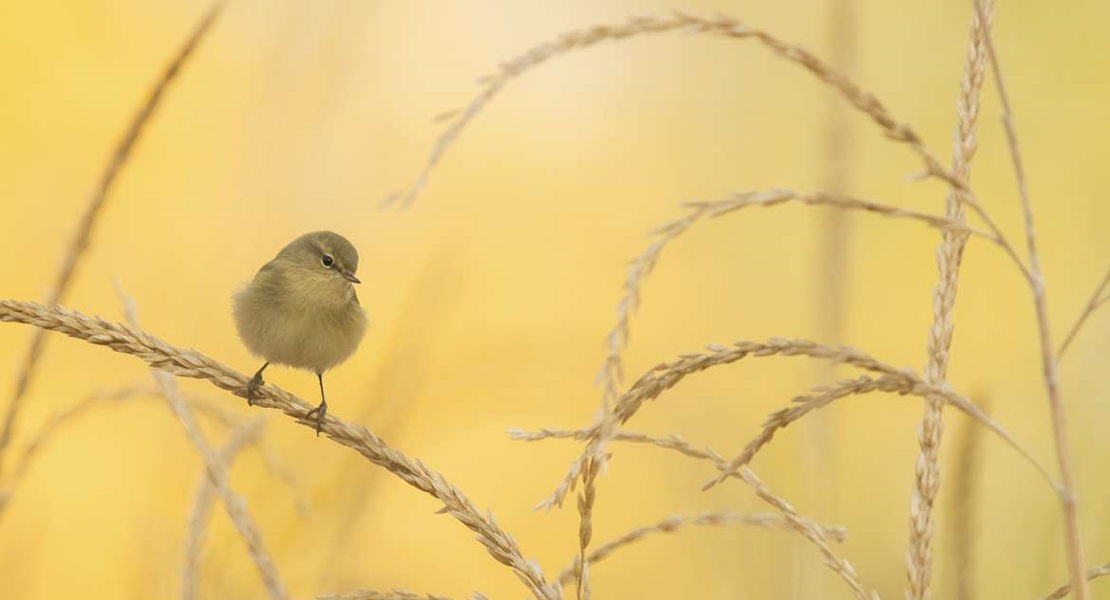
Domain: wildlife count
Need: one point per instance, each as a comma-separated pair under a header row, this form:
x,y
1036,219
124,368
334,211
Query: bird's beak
x,y
351,277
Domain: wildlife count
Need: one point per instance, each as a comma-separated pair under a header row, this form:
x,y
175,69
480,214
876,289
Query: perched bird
x,y
301,311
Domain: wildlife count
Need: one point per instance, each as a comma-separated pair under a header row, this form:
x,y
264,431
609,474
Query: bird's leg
x,y
256,382
322,410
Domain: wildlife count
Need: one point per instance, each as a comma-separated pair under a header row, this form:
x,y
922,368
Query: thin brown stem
x,y
92,211
1097,300
673,524
1069,498
1064,590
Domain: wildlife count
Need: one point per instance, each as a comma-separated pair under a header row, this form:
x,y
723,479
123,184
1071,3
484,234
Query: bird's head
x,y
323,254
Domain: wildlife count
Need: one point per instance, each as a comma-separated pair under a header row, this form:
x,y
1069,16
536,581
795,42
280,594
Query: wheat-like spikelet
x,y
812,532
900,384
673,524
270,460
640,267
188,363
585,527
721,26
217,471
1069,498
775,197
671,441
666,375
371,595
88,219
1098,298
1064,590
803,525
204,498
949,255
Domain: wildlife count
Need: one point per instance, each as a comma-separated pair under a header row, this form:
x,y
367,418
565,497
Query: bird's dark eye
x,y
327,261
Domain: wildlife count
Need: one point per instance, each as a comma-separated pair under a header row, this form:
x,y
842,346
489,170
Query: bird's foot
x,y
252,387
320,412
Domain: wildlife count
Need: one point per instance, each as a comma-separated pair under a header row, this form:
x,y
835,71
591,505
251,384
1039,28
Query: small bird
x,y
301,310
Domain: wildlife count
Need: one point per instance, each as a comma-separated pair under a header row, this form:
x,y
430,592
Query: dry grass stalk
x,y
964,521
904,384
371,595
721,26
673,524
92,211
187,363
1069,498
775,197
803,525
203,500
1064,590
125,394
1098,298
812,532
612,369
666,375
949,256
217,472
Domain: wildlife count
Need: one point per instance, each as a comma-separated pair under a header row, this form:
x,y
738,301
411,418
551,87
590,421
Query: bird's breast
x,y
309,327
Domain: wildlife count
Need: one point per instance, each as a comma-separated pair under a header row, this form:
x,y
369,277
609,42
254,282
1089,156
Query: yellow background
x,y
490,297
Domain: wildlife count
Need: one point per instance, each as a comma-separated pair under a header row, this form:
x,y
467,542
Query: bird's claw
x,y
320,412
252,387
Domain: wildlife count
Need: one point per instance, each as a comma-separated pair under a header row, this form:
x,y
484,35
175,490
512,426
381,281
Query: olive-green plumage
x,y
301,309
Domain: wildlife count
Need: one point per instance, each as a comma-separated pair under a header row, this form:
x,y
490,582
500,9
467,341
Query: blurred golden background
x,y
490,297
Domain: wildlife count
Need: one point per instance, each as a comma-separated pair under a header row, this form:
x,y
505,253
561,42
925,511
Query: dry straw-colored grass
x,y
87,222
370,595
960,196
186,363
1069,497
205,498
1097,300
673,524
949,255
1064,590
616,407
809,529
393,595
217,471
